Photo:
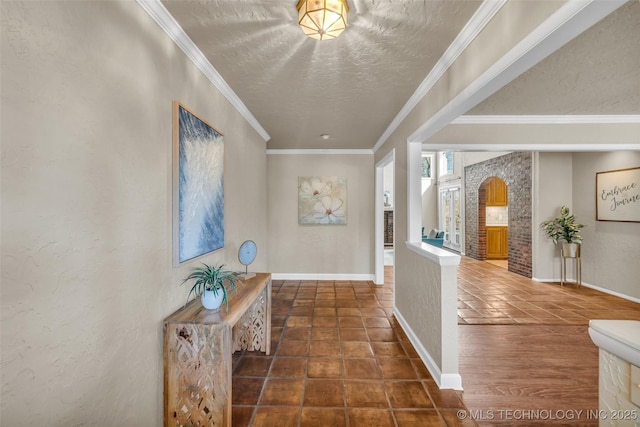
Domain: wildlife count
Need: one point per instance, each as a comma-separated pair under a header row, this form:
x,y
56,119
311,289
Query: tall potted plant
x,y
212,284
564,228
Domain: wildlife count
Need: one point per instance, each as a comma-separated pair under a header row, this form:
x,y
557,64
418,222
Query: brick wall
x,y
515,170
388,228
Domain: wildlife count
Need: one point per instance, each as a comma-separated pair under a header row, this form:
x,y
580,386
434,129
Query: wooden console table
x,y
198,347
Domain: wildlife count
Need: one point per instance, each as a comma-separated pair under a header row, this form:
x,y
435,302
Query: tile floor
x,y
338,359
488,294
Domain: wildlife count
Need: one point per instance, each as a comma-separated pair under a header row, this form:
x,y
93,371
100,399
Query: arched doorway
x,y
493,221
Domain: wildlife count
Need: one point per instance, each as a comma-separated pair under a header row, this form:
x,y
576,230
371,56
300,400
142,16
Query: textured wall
x,y
610,250
614,383
87,273
515,169
320,249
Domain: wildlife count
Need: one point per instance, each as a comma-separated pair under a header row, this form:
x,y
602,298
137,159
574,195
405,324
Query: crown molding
x,y
546,119
478,21
318,151
156,10
549,147
573,18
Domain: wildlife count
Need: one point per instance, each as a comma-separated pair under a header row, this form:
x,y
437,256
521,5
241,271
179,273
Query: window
x,y
427,160
446,163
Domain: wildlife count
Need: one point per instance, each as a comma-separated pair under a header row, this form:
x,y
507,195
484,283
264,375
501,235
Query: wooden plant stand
x,y
198,348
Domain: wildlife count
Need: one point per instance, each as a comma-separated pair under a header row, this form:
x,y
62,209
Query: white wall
x,y
388,182
315,250
87,275
610,250
552,183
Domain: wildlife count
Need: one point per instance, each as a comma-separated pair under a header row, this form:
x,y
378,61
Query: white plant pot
x,y
211,301
571,250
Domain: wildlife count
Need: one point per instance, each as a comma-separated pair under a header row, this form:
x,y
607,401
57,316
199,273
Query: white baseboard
x,y
318,276
588,285
448,381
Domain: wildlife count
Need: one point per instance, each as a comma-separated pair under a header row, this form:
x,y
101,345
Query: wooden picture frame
x,y
618,195
198,186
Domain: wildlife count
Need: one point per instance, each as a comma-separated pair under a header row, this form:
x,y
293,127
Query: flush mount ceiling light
x,y
322,19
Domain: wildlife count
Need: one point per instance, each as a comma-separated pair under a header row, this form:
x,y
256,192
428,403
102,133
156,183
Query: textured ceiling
x,y
299,88
353,87
597,73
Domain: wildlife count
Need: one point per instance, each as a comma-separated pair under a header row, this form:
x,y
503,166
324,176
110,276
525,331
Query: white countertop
x,y
619,337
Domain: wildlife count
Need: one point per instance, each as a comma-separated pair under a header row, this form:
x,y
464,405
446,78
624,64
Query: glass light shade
x,y
322,19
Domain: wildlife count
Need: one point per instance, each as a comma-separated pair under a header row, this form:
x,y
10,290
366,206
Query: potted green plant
x,y
564,228
213,284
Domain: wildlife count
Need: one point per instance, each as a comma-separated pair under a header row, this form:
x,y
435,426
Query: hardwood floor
x,y
529,375
525,355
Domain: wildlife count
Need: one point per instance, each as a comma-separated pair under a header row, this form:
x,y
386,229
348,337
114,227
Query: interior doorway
x,y
450,217
384,216
493,216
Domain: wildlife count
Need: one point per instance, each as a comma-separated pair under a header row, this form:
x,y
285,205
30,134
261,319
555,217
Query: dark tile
x,y
241,415
347,303
325,311
353,334
293,348
409,349
361,369
303,310
297,334
453,419
277,321
350,322
388,349
282,392
322,417
397,368
421,369
359,417
288,367
349,312
325,322
276,417
324,301
443,398
253,366
324,368
325,334
299,321
324,348
372,312
407,394
376,322
246,391
419,418
323,392
366,394
382,334
356,349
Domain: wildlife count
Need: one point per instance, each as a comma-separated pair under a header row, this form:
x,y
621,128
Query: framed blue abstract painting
x,y
198,186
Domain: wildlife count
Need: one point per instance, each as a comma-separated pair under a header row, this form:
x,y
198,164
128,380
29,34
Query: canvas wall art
x,y
198,186
618,195
322,200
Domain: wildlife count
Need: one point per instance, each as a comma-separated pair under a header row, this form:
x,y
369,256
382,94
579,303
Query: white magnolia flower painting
x,y
322,200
